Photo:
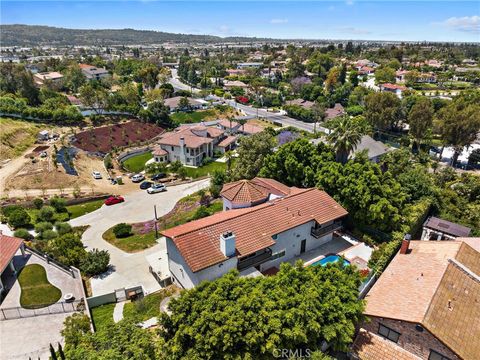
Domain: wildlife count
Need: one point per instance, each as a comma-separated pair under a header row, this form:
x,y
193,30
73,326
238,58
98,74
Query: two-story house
x,y
254,239
94,73
425,305
188,144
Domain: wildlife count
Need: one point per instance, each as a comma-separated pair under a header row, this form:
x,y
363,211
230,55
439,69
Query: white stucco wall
x,y
188,279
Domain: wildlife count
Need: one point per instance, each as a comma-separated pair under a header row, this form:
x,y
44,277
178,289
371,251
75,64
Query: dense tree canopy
x,y
249,318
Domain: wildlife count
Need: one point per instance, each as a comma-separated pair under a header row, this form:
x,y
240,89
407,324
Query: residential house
x,y
227,84
93,73
9,246
300,102
400,75
393,88
234,127
365,70
43,135
188,144
334,112
252,240
438,229
248,193
174,103
237,72
425,305
249,65
52,77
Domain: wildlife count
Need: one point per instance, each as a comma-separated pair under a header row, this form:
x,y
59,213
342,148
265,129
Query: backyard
x,y
205,170
137,162
37,291
202,115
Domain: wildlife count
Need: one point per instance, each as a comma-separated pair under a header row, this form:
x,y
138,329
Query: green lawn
x,y
84,208
37,292
57,217
192,117
137,163
103,316
205,170
131,243
147,307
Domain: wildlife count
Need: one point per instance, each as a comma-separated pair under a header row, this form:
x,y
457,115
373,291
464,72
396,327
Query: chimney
x,y
405,244
182,142
227,243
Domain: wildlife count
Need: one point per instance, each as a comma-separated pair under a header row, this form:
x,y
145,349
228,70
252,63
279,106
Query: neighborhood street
x,y
129,269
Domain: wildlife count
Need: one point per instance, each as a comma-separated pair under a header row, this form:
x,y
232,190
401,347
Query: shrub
x,y
175,166
43,226
107,160
201,212
49,234
382,256
23,234
182,172
9,209
38,203
19,218
215,190
46,213
122,230
96,262
58,204
63,227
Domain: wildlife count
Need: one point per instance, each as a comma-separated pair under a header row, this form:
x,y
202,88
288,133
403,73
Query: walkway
x,y
118,311
130,269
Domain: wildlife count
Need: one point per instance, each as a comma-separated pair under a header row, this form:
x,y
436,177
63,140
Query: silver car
x,y
156,188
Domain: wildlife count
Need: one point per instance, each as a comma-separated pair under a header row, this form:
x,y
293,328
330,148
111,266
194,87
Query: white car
x,y
156,188
138,178
96,175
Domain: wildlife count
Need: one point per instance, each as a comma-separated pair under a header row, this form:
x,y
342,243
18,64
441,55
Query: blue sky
x,y
351,19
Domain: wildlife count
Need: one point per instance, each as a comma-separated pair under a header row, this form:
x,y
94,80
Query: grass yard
x,y
130,244
103,316
193,117
37,292
205,170
16,136
137,163
56,217
147,307
84,208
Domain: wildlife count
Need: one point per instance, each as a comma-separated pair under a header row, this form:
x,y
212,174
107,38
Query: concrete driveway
x,y
129,269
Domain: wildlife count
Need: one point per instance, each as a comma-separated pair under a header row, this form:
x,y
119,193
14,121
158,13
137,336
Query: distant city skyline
x,y
357,20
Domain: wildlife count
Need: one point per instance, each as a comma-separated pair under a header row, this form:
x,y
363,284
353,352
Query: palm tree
x,y
229,156
345,135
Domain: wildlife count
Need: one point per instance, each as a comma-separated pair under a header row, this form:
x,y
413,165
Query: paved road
x,y
250,111
130,269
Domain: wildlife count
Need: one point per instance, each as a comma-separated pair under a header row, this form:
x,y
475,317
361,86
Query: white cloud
x,y
278,21
349,2
465,24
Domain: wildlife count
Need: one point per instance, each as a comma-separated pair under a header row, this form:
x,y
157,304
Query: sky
x,y
351,19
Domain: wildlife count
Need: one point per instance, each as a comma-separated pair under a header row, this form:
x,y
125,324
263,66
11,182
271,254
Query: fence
x,y
74,273
115,296
367,285
57,308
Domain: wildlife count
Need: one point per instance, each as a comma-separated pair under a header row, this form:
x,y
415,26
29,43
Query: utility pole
x,y
156,219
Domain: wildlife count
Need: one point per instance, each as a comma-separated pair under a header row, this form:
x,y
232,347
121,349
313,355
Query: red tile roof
x,y
227,141
158,151
250,129
393,87
199,241
8,247
226,123
245,191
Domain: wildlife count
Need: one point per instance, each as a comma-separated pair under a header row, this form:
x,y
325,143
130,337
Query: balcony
x,y
318,232
254,259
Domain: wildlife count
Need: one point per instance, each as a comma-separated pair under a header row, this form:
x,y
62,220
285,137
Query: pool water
x,y
330,259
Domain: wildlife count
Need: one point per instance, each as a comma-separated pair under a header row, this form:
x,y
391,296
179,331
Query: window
x,y
274,237
388,333
278,255
436,356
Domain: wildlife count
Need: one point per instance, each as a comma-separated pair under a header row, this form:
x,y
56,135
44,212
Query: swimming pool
x,y
330,259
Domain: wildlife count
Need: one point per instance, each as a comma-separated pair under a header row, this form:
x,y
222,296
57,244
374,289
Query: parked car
x,y
112,200
145,185
43,154
138,177
158,176
96,175
156,188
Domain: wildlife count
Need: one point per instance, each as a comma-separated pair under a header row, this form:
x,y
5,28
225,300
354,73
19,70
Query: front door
x,y
303,245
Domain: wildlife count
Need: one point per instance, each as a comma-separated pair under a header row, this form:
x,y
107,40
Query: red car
x,y
112,200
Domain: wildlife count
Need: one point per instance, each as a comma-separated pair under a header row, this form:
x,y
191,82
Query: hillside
x,y
34,35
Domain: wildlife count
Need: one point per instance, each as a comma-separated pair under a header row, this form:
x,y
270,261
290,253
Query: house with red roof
x,y
393,88
254,240
9,247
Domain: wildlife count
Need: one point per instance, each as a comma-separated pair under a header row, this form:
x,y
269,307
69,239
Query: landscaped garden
x,y
103,316
37,291
104,139
148,307
202,115
137,163
205,169
131,238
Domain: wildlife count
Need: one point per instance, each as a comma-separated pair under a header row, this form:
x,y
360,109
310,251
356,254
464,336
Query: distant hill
x,y
34,35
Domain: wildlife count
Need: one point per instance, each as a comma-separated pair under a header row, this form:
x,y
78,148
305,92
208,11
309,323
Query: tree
x,y
459,125
75,327
62,228
332,80
38,203
382,110
264,314
184,103
252,151
157,113
345,135
319,114
420,119
353,78
175,166
147,74
385,75
74,78
23,234
19,218
58,203
46,213
96,262
94,98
